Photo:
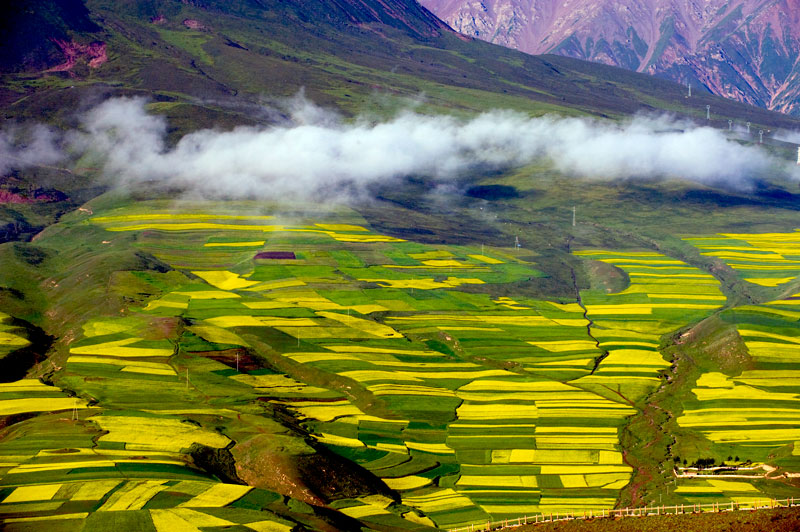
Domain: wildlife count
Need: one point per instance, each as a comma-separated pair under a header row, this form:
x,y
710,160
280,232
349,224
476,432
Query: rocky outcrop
x,y
94,54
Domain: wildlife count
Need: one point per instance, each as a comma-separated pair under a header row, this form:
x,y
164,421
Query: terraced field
x,y
11,338
750,416
765,259
497,440
467,407
664,294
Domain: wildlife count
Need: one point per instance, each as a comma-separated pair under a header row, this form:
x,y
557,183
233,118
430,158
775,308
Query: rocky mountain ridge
x,y
747,50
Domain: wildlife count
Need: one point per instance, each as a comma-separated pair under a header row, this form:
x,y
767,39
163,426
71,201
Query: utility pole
x,y
748,128
708,112
516,243
573,216
690,90
761,136
730,125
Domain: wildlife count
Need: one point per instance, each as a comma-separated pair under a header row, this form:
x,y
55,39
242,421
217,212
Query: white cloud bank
x,y
314,152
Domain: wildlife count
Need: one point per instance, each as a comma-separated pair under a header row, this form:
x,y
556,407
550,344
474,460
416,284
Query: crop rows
x,y
471,407
765,259
751,416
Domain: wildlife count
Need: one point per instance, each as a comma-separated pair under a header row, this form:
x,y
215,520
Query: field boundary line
x,y
639,511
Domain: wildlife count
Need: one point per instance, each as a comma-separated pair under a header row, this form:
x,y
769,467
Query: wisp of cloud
x,y
25,146
316,152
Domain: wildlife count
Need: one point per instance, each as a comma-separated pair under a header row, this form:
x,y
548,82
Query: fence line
x,y
627,512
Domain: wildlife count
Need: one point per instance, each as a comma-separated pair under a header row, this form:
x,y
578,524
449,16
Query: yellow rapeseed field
x,y
486,259
40,404
269,526
498,411
371,349
634,360
195,226
363,239
494,385
581,469
157,434
209,294
558,346
764,334
41,492
550,504
505,481
591,253
342,227
361,324
12,340
769,281
249,243
409,389
217,335
25,385
119,348
522,321
260,321
174,216
86,359
407,483
327,411
438,501
94,490
224,280
435,254
149,371
366,510
434,448
41,518
133,495
342,441
184,520
732,486
103,327
274,285
217,496
423,284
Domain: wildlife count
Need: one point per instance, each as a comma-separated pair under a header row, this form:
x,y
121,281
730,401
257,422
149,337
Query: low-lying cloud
x,y
25,146
312,151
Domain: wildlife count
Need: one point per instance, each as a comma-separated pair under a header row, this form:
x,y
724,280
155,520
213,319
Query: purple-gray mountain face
x,y
747,50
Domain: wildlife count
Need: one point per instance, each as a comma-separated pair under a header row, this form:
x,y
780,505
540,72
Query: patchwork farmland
x,y
461,406
768,259
749,416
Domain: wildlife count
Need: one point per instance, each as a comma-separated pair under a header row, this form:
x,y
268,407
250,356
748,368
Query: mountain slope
x,y
746,50
344,54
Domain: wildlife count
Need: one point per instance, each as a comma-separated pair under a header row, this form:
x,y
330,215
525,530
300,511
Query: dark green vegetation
x,y
397,363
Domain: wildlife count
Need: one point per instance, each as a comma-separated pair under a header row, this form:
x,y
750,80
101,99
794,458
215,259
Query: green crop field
x,y
467,406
